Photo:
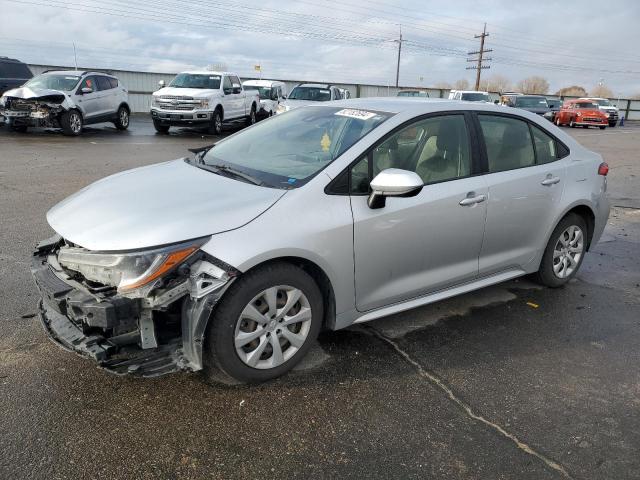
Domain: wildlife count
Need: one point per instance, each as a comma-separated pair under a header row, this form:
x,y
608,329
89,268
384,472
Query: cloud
x,y
339,41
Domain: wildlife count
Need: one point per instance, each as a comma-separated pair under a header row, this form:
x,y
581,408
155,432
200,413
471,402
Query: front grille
x,y
168,106
21,105
174,97
173,102
592,119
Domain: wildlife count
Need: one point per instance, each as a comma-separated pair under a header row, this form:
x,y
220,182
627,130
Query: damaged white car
x,y
67,100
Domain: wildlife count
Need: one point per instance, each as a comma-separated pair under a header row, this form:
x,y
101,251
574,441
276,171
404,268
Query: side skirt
x,y
348,318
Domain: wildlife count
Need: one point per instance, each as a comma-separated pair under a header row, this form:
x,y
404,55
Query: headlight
x,y
154,101
606,115
204,103
126,271
579,114
282,108
3,101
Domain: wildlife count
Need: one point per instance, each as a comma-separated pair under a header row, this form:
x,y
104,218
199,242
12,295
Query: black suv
x,y
13,73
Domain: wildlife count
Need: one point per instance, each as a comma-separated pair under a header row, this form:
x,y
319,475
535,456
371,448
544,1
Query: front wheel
x,y
216,123
122,119
564,252
71,123
263,326
160,128
603,127
572,123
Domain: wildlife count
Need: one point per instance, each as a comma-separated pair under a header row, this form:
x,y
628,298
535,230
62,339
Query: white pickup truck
x,y
203,98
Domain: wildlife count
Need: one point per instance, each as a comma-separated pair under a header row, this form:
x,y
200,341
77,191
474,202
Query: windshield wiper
x,y
224,169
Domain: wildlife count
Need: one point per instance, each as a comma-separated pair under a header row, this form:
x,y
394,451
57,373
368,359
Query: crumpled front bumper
x,y
114,331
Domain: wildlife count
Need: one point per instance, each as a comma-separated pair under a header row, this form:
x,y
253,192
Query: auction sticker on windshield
x,y
353,113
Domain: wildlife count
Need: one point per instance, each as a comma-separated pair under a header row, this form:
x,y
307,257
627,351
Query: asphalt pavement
x,y
513,381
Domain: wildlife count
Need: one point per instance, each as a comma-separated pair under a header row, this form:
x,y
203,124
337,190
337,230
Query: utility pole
x,y
399,50
480,58
75,57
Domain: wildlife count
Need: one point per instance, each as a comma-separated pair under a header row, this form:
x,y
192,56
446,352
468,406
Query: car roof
x,y
207,72
315,85
412,105
470,91
261,83
79,73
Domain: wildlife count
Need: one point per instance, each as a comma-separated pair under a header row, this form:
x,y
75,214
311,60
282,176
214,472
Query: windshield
x,y
476,97
65,83
586,105
263,92
531,102
289,149
191,80
315,94
603,102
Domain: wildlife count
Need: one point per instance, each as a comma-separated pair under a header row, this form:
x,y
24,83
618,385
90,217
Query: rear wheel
x,y
160,128
71,123
564,252
122,118
251,119
263,326
558,122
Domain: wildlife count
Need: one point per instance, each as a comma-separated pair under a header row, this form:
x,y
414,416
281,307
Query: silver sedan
x,y
231,261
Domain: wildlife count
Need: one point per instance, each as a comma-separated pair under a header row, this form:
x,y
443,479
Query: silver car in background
x,y
231,261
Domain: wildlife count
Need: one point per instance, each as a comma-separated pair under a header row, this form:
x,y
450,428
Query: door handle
x,y
472,200
550,181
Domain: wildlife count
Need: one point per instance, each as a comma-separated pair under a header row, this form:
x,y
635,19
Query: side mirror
x,y
284,97
86,90
496,102
393,182
161,84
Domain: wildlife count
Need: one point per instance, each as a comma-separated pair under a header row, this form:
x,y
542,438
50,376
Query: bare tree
x,y
495,83
443,85
533,85
462,84
602,91
572,91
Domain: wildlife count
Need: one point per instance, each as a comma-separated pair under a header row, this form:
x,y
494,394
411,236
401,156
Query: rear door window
x,y
545,146
113,82
508,143
103,83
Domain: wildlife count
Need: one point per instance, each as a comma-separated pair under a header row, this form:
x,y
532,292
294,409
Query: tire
x,y
572,122
160,128
602,128
224,363
71,123
557,122
251,119
547,274
17,128
612,125
585,126
122,118
216,123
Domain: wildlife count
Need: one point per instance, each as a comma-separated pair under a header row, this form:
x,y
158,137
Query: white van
x,y
271,94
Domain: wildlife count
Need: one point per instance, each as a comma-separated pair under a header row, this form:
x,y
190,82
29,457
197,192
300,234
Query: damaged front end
x,y
43,111
141,313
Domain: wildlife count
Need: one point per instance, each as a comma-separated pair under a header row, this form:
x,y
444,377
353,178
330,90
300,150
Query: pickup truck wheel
x,y
263,326
71,123
251,119
216,124
122,119
160,128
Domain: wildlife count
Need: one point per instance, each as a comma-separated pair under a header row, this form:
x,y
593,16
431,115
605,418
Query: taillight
x,y
603,169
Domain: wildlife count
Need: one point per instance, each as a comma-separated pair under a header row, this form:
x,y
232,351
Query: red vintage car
x,y
583,113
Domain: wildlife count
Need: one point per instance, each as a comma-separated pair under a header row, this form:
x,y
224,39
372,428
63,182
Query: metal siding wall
x,y
142,84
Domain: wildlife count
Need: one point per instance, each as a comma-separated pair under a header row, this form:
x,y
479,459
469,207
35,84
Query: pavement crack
x,y
466,408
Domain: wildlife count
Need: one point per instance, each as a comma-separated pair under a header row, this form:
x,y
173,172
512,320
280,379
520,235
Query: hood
x,y
27,93
187,92
591,111
608,108
157,205
291,104
538,110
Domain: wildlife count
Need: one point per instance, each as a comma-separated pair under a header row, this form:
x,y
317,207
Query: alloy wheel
x,y
124,117
568,251
272,327
75,122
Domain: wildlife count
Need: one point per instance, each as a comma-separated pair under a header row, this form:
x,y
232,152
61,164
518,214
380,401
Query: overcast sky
x,y
570,42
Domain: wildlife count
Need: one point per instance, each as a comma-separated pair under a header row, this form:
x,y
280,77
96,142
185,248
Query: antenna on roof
x,y
75,57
